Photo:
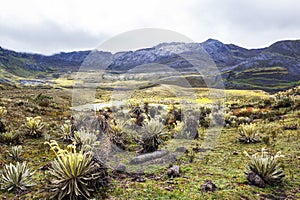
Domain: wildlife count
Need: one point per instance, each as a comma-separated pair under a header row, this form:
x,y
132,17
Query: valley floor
x,y
225,164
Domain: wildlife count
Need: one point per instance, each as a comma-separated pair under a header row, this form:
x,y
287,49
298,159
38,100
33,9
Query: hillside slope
x,y
272,68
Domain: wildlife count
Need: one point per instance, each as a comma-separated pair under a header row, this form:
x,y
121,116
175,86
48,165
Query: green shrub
x,y
43,100
117,135
282,101
178,128
243,120
271,131
230,120
123,134
16,177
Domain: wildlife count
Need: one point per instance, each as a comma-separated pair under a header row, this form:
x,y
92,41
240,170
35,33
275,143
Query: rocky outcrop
x,y
149,156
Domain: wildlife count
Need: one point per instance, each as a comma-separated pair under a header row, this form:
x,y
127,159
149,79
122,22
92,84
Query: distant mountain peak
x,y
211,40
212,45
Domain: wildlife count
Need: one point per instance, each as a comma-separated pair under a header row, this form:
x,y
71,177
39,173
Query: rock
x,y
174,171
139,179
121,167
181,149
290,127
2,127
198,150
255,180
20,103
235,153
170,158
149,156
45,167
208,186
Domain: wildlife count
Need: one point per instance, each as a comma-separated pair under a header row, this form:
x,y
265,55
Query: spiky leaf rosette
x,y
248,133
266,166
74,173
86,140
66,131
16,152
34,126
119,134
10,137
16,177
3,112
153,133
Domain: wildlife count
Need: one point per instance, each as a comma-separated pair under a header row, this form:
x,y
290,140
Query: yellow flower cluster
x,y
69,155
263,154
33,122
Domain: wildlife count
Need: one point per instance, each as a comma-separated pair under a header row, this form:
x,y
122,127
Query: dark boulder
x,y
174,171
208,186
256,180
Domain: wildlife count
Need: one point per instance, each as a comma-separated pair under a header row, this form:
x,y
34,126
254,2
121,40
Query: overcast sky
x,y
52,26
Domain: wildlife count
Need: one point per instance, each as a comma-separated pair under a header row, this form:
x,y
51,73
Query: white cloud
x,y
53,26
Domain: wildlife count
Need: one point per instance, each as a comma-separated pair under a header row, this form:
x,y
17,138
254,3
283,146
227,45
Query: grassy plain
x,y
225,164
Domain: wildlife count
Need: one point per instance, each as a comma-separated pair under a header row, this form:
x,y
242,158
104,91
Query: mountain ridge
x,y
274,67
